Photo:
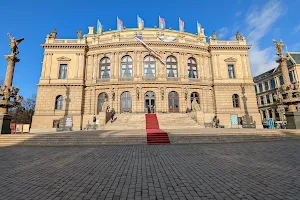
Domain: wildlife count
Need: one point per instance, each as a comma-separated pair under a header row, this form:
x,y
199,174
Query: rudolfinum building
x,y
163,68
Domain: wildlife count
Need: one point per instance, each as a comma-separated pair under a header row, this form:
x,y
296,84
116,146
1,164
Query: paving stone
x,y
253,170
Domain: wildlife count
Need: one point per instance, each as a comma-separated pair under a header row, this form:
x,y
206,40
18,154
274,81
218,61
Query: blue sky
x,y
259,20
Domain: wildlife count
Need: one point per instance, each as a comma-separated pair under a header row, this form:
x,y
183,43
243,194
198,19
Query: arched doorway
x,y
150,101
101,98
126,102
173,102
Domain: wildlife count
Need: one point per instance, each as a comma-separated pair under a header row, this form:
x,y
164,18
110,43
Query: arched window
x,y
195,95
235,101
126,66
192,68
231,71
59,102
171,66
101,99
105,68
149,66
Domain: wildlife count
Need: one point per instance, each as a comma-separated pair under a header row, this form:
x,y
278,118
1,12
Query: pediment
x,y
63,58
230,59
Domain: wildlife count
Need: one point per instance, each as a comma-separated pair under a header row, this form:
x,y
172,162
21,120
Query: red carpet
x,y
154,134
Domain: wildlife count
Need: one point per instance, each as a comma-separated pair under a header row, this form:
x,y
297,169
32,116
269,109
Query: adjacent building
x,y
78,75
267,84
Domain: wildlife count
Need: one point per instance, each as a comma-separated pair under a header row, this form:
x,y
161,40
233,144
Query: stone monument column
x,y
7,91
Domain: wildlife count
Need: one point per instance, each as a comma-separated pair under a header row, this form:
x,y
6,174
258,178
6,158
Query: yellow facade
x,y
83,78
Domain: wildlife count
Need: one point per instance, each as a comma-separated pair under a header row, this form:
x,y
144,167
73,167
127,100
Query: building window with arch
x,y
281,80
101,99
105,68
59,102
126,65
192,68
196,96
63,71
171,66
149,66
273,83
235,101
231,71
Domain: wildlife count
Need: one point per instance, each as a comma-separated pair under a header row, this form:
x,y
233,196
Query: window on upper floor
x,y
273,83
260,87
236,101
266,85
268,99
273,98
291,75
255,88
262,102
192,68
59,102
63,71
126,65
105,68
281,80
171,66
149,66
231,71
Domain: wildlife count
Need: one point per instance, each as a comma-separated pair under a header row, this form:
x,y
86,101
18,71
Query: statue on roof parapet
x,y
239,36
79,34
214,36
52,34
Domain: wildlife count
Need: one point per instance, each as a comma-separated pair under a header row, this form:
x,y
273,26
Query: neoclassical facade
x,y
78,75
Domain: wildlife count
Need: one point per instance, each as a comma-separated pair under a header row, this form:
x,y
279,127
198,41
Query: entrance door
x,y
126,102
173,102
150,100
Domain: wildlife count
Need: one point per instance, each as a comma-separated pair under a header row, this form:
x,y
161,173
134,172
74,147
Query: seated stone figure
x,y
195,105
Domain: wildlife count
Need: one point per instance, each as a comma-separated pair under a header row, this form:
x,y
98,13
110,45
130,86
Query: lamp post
x,y
9,96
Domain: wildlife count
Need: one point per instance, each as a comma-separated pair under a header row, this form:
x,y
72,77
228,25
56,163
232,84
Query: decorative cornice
x,y
230,59
233,47
63,58
154,44
65,46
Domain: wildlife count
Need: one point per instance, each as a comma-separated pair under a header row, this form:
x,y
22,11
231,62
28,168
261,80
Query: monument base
x,y
293,120
248,122
5,124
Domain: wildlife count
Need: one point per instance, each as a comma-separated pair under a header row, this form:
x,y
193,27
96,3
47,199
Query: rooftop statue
x,y
238,36
214,35
278,46
14,44
79,33
52,34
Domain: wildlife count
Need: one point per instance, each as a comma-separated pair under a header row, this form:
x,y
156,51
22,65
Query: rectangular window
x,y
260,87
262,100
291,74
255,88
63,70
268,99
273,97
270,114
273,84
266,86
231,71
281,80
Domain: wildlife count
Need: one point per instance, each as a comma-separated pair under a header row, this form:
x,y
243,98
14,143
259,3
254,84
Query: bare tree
x,y
24,113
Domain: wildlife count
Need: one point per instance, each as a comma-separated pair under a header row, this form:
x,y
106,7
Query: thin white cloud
x,y
222,32
259,22
295,47
297,28
238,14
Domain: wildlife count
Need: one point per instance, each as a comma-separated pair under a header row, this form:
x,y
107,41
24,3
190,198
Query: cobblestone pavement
x,y
257,170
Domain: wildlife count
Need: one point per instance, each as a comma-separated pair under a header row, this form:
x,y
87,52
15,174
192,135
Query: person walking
x,y
113,112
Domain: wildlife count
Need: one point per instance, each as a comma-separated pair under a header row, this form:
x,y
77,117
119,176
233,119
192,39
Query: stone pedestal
x,y
199,117
293,120
5,124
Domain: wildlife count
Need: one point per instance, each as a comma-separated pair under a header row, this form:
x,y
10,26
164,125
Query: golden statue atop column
x,y
9,96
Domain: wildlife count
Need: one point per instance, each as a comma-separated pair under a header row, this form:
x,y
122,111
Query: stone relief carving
x,y
230,59
63,58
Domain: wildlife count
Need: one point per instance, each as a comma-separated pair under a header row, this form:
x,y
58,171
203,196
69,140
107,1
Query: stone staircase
x,y
127,121
176,121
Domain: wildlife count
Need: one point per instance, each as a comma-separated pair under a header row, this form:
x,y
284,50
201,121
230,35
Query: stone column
x,y
44,66
285,72
12,60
